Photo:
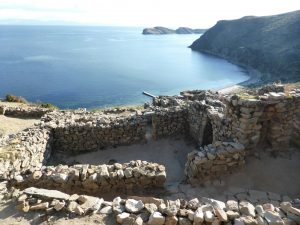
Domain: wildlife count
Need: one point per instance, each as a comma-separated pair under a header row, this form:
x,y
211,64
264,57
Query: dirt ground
x,y
9,125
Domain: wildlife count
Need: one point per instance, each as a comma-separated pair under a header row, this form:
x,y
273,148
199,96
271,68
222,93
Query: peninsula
x,y
180,30
270,44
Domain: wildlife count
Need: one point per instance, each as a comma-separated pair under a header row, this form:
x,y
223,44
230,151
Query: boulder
x,y
47,194
122,216
134,206
156,218
246,208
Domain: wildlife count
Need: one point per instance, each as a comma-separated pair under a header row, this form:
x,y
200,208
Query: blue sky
x,y
172,13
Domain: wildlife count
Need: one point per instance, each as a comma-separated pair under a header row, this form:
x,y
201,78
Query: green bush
x,y
13,98
48,106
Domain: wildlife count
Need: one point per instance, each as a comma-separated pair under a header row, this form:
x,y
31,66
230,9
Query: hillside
x,y
180,30
270,44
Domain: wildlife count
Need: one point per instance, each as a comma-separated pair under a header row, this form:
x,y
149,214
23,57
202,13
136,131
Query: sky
x,y
171,13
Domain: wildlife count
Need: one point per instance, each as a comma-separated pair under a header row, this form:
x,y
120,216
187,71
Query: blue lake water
x,y
92,67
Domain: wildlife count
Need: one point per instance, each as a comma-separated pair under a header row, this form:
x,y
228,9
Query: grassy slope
x,y
270,44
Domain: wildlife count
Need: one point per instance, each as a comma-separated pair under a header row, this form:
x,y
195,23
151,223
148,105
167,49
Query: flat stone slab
x,y
45,193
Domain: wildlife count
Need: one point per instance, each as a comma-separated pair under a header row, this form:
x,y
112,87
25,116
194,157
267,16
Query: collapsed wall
x,y
24,112
27,151
96,179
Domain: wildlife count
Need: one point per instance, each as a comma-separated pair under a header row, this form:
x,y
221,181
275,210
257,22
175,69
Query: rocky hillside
x,y
180,30
270,44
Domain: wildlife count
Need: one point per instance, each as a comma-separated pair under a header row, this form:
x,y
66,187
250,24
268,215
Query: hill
x,y
180,30
270,44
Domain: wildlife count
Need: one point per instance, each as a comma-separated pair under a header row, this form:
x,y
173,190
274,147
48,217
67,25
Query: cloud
x,y
194,13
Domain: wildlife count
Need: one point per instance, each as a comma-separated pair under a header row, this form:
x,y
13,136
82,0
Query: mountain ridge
x,y
270,44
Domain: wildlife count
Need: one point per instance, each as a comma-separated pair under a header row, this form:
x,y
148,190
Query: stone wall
x,y
82,132
271,119
168,122
24,112
213,161
91,179
27,151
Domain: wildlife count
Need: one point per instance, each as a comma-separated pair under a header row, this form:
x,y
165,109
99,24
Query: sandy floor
x,y
10,125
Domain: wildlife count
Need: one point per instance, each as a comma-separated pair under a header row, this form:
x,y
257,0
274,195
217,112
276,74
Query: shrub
x,y
13,98
48,106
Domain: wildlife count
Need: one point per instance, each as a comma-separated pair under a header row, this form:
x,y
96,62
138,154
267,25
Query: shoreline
x,y
254,78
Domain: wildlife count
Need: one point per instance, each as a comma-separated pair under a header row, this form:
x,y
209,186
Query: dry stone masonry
x,y
226,128
97,179
154,211
213,161
24,112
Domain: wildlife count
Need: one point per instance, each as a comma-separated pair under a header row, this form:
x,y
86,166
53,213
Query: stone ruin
x,y
227,128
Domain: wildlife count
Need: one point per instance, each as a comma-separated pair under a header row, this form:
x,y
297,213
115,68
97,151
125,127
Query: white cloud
x,y
194,13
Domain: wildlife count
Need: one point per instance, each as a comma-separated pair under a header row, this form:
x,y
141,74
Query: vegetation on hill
x,y
270,44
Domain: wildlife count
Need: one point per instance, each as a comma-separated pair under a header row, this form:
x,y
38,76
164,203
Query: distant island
x,y
164,30
270,44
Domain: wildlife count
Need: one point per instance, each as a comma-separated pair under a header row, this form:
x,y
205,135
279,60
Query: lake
x,y
72,66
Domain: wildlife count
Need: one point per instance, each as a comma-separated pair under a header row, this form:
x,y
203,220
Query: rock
x,y
129,220
72,206
145,200
48,194
22,198
191,215
208,216
248,220
287,207
40,206
259,209
151,207
246,208
74,197
239,221
232,215
193,204
24,206
172,208
220,213
59,205
122,216
273,218
138,221
261,221
78,210
171,220
184,221
198,217
232,205
156,218
106,210
268,207
90,203
134,206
